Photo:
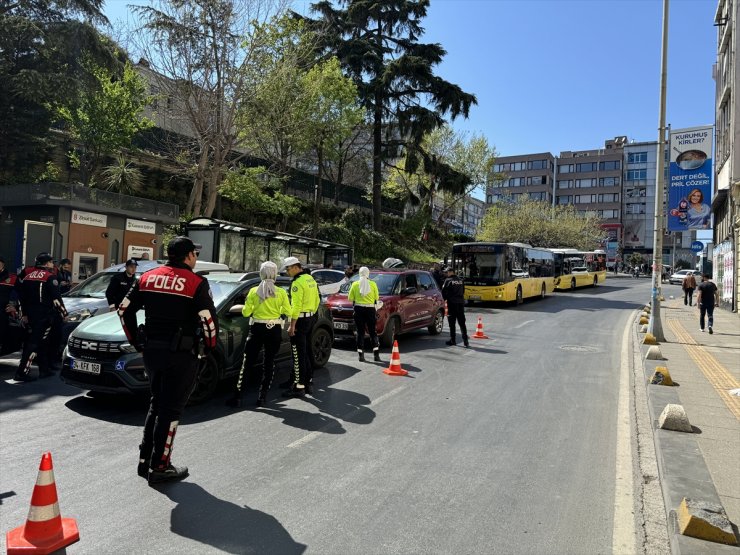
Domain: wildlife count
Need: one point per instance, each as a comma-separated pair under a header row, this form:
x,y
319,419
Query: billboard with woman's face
x,y
690,179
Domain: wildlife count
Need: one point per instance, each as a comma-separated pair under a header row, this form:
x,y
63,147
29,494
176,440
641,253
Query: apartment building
x,y
726,198
528,174
638,196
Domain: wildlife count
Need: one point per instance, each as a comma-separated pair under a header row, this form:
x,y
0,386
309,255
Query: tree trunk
x,y
317,192
338,188
196,195
214,183
378,143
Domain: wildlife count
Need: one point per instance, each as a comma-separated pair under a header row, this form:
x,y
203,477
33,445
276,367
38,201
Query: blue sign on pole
x,y
697,246
690,179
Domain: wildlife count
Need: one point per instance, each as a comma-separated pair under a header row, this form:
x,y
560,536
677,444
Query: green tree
x,y
106,119
378,45
331,113
258,192
42,45
540,224
122,176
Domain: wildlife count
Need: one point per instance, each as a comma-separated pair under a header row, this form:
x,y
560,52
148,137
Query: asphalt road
x,y
506,447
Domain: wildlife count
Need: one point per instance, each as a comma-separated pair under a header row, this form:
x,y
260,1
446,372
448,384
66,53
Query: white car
x,y
677,278
328,280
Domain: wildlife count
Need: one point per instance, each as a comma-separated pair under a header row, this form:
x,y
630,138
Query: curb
x,y
681,466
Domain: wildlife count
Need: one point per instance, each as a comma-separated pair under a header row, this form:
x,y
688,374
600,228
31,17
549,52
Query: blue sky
x,y
554,75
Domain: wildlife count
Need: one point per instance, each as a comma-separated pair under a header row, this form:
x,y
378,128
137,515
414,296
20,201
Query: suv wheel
x,y
439,321
390,332
207,380
321,344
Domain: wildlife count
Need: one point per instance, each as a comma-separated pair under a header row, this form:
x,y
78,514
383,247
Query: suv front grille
x,y
94,350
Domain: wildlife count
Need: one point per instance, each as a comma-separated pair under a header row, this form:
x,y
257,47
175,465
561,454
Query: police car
x,y
98,356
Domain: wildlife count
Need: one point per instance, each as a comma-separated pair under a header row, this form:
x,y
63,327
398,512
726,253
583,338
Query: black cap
x,y
65,261
180,247
43,258
131,262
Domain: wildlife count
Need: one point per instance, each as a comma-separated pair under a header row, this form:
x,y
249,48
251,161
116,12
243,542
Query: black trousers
x,y
4,328
300,344
366,318
260,336
688,296
38,345
456,313
706,309
172,378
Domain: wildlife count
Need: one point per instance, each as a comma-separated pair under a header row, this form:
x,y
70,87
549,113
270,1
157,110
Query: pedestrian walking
x,y
65,275
688,285
120,284
304,302
453,291
266,306
437,274
40,301
8,298
364,296
180,327
708,298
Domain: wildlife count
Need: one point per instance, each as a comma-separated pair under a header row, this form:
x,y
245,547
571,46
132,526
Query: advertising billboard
x,y
690,179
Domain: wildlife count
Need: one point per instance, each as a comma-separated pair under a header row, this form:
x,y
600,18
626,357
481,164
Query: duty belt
x,y
306,314
366,305
269,324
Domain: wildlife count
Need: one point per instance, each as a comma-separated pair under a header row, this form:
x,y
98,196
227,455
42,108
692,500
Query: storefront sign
x,y
690,183
89,218
135,251
141,226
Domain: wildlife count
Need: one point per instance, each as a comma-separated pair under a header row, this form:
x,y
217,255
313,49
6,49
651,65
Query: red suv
x,y
411,300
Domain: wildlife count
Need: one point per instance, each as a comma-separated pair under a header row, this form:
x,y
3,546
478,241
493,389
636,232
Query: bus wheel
x,y
596,281
543,291
519,295
573,284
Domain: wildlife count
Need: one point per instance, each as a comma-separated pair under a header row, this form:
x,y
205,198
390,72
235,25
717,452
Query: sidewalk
x,y
704,465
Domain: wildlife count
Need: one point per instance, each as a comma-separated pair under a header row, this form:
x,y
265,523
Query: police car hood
x,y
106,327
76,304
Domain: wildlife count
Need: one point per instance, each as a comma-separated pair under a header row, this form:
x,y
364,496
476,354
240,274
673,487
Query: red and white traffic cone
x,y
479,330
394,368
45,530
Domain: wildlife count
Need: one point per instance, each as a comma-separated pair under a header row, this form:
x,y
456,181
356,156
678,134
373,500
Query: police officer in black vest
x,y
180,318
453,291
119,285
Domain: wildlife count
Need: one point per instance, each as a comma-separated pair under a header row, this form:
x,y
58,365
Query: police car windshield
x,y
222,289
385,283
95,286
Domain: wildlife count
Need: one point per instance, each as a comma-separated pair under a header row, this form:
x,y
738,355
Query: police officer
x,y
65,275
304,302
179,316
120,284
453,291
8,297
266,305
364,296
40,301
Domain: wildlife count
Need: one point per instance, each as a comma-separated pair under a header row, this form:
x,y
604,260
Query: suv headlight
x,y
78,316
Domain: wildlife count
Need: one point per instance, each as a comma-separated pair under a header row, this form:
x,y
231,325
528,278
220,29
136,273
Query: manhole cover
x,y
579,348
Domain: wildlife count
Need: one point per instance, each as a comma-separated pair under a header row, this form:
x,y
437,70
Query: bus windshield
x,y
480,263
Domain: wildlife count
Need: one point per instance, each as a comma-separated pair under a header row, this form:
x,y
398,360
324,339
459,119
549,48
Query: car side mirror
x,y
236,310
408,291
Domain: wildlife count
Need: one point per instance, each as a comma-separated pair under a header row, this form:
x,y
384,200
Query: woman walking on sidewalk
x,y
708,299
689,284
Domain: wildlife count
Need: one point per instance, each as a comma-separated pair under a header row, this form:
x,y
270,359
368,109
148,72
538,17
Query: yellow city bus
x,y
574,268
503,271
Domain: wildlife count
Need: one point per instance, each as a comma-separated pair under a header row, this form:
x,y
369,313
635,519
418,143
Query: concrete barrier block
x,y
674,418
661,376
643,320
649,339
643,328
706,521
654,353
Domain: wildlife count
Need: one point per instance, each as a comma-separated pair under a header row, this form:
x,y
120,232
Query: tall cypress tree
x,y
378,45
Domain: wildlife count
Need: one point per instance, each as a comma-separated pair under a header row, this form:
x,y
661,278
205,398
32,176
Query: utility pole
x,y
655,327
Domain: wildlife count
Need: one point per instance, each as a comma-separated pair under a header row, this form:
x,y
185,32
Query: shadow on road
x,y
19,396
226,526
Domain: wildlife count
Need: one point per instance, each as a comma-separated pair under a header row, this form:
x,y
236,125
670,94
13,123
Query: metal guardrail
x,y
51,193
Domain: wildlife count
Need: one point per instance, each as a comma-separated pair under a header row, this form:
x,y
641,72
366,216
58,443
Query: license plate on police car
x,y
87,367
341,326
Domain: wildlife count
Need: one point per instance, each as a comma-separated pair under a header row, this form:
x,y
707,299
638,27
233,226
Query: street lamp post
x,y
655,326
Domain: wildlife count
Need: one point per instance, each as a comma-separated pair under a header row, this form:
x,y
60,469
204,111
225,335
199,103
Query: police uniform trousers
x,y
172,378
456,313
300,344
260,336
5,339
38,346
366,318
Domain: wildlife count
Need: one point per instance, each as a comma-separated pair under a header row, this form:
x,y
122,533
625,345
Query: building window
x,y
584,199
565,183
609,197
516,182
585,183
565,168
610,165
564,199
636,175
537,180
608,214
636,208
586,167
539,196
537,165
637,158
608,181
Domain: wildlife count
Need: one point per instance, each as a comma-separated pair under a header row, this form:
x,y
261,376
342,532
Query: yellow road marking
x,y
718,376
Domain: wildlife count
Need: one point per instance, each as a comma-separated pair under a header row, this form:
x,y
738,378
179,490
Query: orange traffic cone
x,y
45,530
394,368
479,330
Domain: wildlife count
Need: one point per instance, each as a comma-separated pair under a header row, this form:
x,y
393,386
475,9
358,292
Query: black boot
x,y
361,356
143,468
451,343
376,355
235,400
170,474
466,342
295,392
24,378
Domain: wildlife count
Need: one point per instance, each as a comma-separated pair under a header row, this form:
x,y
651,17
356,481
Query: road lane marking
x,y
623,530
317,433
716,374
523,324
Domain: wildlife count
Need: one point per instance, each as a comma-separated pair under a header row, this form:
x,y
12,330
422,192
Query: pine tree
x,y
378,45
